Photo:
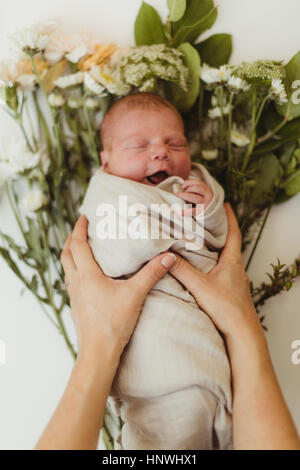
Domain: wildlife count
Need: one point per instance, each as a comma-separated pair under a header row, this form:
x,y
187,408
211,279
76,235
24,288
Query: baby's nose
x,y
160,153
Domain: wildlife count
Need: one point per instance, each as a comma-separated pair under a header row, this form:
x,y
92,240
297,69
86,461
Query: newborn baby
x,y
173,385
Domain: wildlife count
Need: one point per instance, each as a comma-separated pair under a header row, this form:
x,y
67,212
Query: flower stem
x,y
55,127
253,132
91,136
258,237
229,145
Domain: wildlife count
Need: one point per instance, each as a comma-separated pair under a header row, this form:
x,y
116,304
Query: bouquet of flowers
x,y
242,122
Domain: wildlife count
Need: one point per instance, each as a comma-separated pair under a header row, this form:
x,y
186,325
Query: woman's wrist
x,y
105,355
245,338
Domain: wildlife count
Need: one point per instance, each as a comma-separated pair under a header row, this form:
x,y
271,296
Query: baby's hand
x,y
195,192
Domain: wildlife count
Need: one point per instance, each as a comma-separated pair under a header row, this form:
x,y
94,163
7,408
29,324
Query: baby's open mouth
x,y
157,177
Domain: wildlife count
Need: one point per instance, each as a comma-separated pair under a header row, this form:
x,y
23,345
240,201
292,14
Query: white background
x,y
38,363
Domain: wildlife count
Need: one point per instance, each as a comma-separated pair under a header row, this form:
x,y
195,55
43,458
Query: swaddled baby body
x,y
173,384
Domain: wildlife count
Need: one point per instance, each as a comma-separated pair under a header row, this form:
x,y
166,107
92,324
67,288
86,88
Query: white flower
x,y
278,91
237,83
92,103
109,80
213,75
73,46
217,112
92,86
27,81
34,200
15,158
70,80
56,100
117,55
74,103
239,139
35,38
76,54
210,154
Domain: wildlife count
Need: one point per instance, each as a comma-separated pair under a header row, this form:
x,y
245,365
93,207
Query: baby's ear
x,y
104,159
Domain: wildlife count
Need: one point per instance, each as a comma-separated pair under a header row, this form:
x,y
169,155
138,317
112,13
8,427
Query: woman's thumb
x,y
153,271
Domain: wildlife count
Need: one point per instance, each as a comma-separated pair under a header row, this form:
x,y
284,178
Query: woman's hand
x,y
104,310
261,419
224,292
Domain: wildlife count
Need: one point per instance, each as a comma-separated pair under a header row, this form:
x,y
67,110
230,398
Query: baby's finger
x,y
190,197
192,182
197,189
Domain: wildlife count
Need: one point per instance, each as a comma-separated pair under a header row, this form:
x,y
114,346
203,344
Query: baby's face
x,y
147,146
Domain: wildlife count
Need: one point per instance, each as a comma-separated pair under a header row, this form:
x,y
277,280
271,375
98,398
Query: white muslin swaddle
x,y
173,384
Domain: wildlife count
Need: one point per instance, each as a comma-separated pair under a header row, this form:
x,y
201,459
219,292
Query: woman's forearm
x,y
261,419
78,418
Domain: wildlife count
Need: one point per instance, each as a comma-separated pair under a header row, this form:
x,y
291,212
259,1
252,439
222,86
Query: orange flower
x,y
101,52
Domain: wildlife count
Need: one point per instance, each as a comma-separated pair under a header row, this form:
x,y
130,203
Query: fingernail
x,y
168,260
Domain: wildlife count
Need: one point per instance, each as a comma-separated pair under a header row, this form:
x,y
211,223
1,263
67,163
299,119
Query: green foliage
x,y
288,133
198,17
292,184
281,279
185,100
267,170
148,28
215,50
292,70
176,9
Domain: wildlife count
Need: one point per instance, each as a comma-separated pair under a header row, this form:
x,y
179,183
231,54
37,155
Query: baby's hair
x,y
134,100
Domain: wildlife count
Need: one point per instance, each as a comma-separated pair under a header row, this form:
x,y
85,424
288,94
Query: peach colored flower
x,y
101,53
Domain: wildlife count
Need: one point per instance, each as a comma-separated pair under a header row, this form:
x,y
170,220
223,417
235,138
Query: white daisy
x,y
76,54
213,75
217,112
72,46
237,84
278,91
92,86
70,80
239,139
35,38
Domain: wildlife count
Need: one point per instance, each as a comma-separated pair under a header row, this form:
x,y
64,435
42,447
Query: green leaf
x,y
216,50
292,185
268,169
177,9
34,284
286,152
185,100
292,73
288,285
198,17
6,256
288,133
148,28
